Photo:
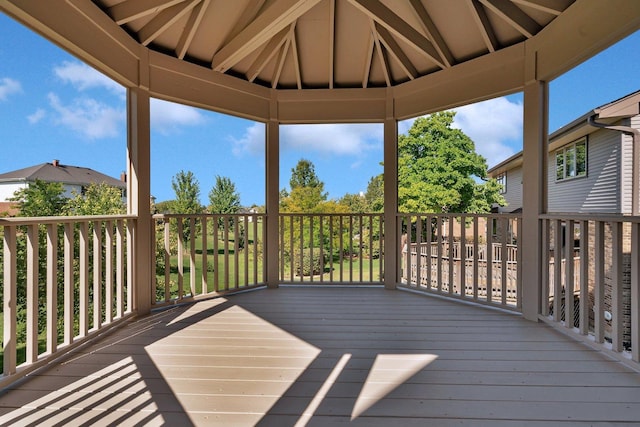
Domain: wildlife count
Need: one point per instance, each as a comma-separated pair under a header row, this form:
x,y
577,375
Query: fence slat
x,y
9,300
52,288
33,260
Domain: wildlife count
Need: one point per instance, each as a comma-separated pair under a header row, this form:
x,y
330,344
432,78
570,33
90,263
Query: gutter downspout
x,y
635,170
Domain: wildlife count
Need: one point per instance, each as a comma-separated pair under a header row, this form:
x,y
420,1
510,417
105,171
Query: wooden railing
x,y
206,255
64,279
331,248
473,257
597,296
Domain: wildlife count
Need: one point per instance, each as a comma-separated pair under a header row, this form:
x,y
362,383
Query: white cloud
x,y
252,142
333,139
167,117
88,117
325,139
83,77
9,87
38,115
491,125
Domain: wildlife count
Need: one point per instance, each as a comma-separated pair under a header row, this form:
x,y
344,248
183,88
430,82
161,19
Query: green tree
x,y
439,169
187,189
223,197
40,199
307,191
98,199
355,203
374,196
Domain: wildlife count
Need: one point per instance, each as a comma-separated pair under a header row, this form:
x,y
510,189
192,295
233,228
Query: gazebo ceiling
x,y
309,44
319,61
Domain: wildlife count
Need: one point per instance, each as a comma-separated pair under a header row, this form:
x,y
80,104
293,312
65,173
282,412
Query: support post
x,y
391,271
139,197
272,249
534,193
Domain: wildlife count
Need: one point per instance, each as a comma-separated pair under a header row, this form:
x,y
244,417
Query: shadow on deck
x,y
330,356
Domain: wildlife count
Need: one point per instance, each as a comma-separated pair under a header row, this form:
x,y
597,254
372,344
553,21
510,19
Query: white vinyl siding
x,y
599,190
626,167
7,189
513,195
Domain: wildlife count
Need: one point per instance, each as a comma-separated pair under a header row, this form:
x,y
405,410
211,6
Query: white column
x,y
139,196
271,252
390,196
534,193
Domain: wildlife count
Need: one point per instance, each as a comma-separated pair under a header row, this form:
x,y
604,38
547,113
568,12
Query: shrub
x,y
310,263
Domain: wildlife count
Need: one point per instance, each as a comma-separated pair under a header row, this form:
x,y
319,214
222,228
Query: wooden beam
x,y
514,16
279,15
367,65
294,52
164,20
131,10
282,56
396,51
332,40
190,29
432,32
482,21
383,63
380,13
553,7
268,52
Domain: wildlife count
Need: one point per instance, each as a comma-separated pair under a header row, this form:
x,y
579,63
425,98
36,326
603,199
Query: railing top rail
x,y
335,214
465,215
206,215
606,217
15,221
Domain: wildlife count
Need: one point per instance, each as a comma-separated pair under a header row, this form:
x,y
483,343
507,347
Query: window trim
x,y
501,178
571,148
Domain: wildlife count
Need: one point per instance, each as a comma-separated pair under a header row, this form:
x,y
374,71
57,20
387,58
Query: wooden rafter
x,y
432,32
133,9
514,16
164,20
277,16
294,53
282,56
396,52
553,7
268,52
482,21
190,29
367,64
380,13
248,14
383,62
332,37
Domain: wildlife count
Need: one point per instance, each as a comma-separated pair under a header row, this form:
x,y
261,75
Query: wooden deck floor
x,y
330,356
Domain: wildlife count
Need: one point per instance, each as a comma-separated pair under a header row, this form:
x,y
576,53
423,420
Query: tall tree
x,y
374,196
307,191
439,169
187,189
223,197
40,199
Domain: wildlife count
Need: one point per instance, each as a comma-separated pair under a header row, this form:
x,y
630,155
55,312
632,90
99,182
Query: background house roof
x,y
609,113
57,172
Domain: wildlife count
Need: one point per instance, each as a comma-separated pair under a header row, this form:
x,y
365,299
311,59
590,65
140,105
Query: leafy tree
x,y
355,203
98,199
166,206
187,189
223,197
438,169
307,191
374,196
40,199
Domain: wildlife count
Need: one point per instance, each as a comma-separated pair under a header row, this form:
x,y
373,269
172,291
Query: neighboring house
x,y
590,169
73,179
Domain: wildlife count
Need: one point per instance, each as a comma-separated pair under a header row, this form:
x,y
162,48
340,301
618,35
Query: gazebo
x,y
331,61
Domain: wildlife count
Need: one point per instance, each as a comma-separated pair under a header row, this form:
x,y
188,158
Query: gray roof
x,y
66,174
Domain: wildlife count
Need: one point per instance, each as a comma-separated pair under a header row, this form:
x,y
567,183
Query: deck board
x,y
323,356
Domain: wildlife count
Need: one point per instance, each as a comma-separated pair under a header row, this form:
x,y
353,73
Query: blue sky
x,y
52,106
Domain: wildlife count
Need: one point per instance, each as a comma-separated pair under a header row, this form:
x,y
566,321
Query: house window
x,y
571,160
502,180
